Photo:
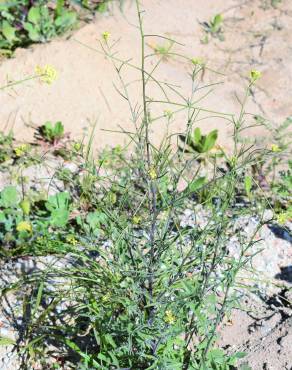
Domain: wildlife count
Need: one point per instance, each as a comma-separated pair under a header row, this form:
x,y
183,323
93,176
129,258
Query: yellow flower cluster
x,y
71,240
152,173
41,239
275,148
47,74
169,317
106,297
168,113
24,226
21,150
255,75
136,220
283,217
197,61
105,35
77,146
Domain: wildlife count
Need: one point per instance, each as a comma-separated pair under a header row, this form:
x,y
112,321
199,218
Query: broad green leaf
x,y
33,32
34,14
217,22
58,129
8,32
95,219
210,141
217,19
9,196
102,8
59,7
2,217
197,135
59,200
66,20
59,217
49,126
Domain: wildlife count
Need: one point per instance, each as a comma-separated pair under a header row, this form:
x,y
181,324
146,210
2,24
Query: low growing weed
x,y
23,22
52,133
213,28
139,288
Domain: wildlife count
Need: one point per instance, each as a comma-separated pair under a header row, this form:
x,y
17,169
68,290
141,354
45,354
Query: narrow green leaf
x,y
197,135
196,184
6,341
248,185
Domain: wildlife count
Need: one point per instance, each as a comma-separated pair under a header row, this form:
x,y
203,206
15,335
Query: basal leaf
x,y
210,141
8,31
197,135
34,14
9,197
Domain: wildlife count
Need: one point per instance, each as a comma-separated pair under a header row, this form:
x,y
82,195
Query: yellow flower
x,y
105,35
283,217
24,226
197,61
233,161
255,75
152,173
71,240
275,148
137,220
106,297
47,74
77,146
169,317
21,150
168,113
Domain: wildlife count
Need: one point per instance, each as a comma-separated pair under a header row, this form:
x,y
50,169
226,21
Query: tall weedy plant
x,y
143,289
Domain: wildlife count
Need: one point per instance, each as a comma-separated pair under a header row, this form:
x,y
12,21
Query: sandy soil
x,y
255,37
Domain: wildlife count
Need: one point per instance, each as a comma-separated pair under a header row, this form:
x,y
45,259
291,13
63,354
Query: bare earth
x,y
256,36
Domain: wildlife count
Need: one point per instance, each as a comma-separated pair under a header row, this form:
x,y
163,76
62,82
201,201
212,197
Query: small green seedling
x,y
196,142
52,133
213,28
